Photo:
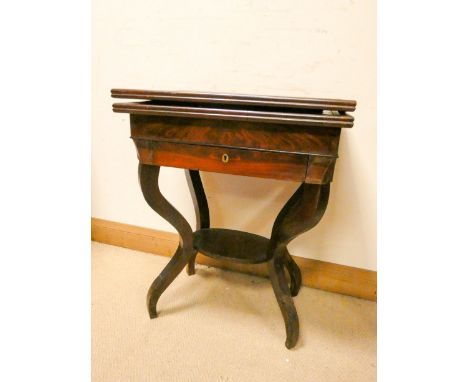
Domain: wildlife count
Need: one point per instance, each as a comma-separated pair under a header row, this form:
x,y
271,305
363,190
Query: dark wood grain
x,y
200,203
331,120
294,271
236,99
263,164
267,137
284,138
148,176
242,247
285,301
320,169
301,213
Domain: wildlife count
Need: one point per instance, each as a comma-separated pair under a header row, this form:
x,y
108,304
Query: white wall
x,y
321,48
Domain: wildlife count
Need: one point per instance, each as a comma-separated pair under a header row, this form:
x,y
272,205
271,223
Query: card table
x,y
294,139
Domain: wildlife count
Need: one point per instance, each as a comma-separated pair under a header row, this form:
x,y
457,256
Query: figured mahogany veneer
x,y
285,138
275,137
262,164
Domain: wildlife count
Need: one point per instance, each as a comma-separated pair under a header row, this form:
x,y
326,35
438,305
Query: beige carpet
x,y
220,326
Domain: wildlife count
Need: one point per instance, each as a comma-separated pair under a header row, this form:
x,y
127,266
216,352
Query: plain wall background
x,y
293,48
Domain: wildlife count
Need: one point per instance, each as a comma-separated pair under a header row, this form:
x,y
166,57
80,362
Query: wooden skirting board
x,y
315,274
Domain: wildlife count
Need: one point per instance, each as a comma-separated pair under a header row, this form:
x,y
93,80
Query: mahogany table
x,y
293,139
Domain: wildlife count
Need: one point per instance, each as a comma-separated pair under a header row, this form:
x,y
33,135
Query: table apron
x,y
236,161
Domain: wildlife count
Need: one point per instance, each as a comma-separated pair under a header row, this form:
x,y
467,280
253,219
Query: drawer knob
x,y
225,158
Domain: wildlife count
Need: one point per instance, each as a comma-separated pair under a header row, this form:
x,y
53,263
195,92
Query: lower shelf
x,y
239,246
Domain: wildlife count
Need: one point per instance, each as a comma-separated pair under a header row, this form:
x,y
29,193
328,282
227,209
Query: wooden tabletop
x,y
253,108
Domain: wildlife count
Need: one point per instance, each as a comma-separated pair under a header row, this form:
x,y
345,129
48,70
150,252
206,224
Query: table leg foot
x,y
191,265
167,276
285,301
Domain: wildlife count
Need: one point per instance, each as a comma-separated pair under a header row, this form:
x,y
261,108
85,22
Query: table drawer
x,y
263,164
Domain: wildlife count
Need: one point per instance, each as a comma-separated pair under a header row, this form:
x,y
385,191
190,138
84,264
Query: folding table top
x,y
253,108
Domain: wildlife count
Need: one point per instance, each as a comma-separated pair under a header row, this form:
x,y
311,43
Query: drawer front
x,y
263,164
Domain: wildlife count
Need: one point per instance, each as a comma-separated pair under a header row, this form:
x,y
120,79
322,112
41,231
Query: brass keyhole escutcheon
x,y
225,158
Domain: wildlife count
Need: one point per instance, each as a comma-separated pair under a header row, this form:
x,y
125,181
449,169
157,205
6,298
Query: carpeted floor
x,y
220,326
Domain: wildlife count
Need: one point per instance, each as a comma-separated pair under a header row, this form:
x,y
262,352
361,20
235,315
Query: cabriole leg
x,y
301,213
148,176
285,301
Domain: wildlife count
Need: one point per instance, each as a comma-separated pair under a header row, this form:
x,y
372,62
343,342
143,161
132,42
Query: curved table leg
x,y
148,176
200,203
285,302
295,275
301,213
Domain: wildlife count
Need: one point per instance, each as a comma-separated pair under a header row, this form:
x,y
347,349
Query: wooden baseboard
x,y
315,274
